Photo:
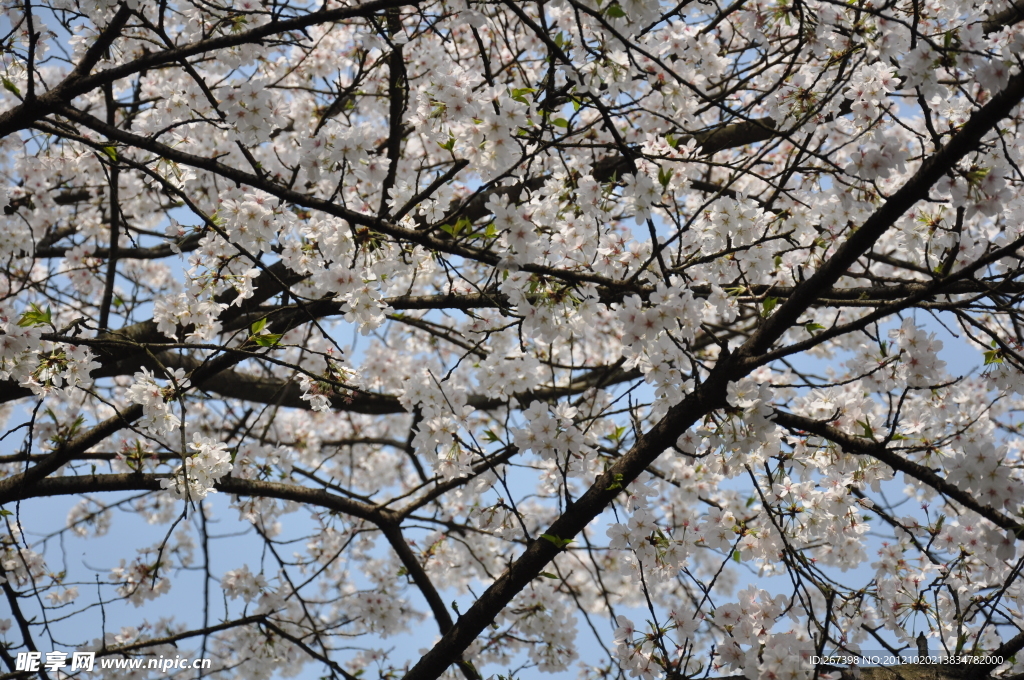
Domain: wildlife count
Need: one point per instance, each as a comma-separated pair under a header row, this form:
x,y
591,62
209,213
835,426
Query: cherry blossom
x,y
450,339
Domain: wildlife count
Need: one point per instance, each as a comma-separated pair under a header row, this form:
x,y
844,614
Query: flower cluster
x,y
21,565
869,89
140,581
444,409
878,161
197,475
921,359
554,436
243,583
18,344
157,400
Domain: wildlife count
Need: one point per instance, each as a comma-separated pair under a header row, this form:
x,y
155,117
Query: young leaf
x,y
519,94
267,339
35,316
556,541
11,87
993,356
664,177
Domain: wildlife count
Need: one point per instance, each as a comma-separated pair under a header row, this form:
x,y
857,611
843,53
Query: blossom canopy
x,y
615,338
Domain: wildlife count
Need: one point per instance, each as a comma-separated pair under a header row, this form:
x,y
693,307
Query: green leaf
x,y
111,153
993,356
519,94
267,339
457,228
560,122
490,437
36,317
868,432
615,11
11,87
736,556
556,541
664,177
450,144
768,305
5,513
811,327
261,337
547,574
616,436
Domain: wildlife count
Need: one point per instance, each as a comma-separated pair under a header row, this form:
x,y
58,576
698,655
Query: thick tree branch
x,y
879,451
915,189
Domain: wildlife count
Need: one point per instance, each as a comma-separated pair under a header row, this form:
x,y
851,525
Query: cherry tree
x,y
621,322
